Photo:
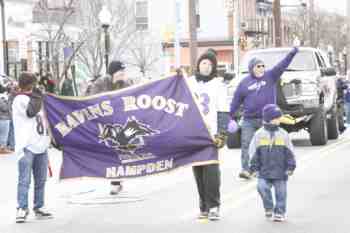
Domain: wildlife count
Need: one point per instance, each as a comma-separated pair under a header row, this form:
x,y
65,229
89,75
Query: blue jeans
x,y
264,189
223,120
248,127
11,138
4,132
347,107
36,163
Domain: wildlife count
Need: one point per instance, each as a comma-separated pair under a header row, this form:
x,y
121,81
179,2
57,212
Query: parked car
x,y
307,91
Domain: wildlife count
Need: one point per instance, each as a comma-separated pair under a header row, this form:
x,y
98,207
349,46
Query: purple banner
x,y
141,130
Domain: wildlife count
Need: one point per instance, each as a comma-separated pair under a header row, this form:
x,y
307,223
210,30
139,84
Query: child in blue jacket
x,y
272,161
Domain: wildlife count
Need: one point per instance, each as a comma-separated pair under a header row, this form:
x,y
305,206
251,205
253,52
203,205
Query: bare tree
x,y
328,28
144,52
122,30
54,21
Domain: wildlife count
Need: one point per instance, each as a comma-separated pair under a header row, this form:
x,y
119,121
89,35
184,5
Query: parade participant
x,y
207,87
32,143
4,120
253,93
115,79
273,161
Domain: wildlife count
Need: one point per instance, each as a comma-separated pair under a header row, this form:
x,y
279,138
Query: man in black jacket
x,y
114,80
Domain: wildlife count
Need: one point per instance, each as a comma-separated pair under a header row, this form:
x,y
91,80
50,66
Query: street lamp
x,y
330,53
345,58
232,7
105,19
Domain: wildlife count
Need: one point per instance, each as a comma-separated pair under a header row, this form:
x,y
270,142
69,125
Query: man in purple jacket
x,y
253,93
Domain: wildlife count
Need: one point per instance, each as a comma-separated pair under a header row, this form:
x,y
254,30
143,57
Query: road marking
x,y
249,195
248,188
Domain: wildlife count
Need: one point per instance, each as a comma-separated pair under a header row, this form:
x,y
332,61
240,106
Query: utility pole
x,y
4,42
236,34
193,34
348,32
177,34
277,22
311,22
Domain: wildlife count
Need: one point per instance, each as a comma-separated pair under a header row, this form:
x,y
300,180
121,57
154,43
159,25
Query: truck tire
x,y
333,124
318,128
340,115
234,140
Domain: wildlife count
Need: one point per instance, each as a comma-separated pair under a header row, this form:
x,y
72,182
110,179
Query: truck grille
x,y
291,89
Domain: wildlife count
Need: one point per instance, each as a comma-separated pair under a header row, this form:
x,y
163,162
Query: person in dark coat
x,y
253,93
115,79
67,87
272,161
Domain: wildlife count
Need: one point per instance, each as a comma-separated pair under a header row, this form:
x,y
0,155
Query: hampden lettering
x,y
139,170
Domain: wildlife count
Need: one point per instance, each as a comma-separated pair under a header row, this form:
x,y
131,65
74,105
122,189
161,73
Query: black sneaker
x,y
41,213
21,215
214,214
244,175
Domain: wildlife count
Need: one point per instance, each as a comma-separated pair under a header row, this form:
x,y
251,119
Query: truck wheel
x,y
318,128
333,124
340,116
234,140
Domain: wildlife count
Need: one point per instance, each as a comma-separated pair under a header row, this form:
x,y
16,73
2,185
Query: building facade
x,y
215,28
15,39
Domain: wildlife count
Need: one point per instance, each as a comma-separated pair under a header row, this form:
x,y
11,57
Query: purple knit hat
x,y
270,112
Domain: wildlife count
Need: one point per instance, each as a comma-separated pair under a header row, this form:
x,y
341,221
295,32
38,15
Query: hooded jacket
x,y
106,84
272,153
254,93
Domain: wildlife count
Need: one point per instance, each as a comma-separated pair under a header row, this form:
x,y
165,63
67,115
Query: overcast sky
x,y
331,5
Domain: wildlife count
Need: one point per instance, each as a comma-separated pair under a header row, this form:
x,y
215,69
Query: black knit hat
x,y
210,54
115,66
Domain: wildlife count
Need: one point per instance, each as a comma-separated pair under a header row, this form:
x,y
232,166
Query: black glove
x,y
35,102
289,173
220,140
253,174
56,145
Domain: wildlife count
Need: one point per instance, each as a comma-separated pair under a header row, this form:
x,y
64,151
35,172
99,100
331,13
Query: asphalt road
x,y
317,199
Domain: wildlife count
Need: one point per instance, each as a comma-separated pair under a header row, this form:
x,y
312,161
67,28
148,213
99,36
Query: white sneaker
x,y
214,214
279,218
115,189
268,214
21,215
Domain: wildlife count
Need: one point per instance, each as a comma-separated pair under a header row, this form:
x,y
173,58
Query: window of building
x,y
141,12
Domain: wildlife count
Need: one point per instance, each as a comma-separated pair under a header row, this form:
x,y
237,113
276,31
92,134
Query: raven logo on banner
x,y
127,139
141,130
